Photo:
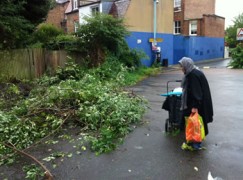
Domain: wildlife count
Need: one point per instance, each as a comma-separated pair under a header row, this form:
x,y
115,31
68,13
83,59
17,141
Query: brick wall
x,y
72,18
213,26
195,8
57,15
208,24
178,16
186,28
199,27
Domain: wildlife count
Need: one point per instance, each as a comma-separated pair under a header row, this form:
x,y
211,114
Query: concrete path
x,y
149,154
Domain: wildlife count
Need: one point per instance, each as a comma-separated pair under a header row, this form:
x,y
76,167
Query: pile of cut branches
x,y
97,105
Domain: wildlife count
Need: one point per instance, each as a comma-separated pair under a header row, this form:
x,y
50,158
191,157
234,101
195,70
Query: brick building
x,y
72,16
197,18
199,33
184,27
56,16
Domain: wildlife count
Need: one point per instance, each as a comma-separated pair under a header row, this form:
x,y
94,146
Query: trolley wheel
x,y
167,125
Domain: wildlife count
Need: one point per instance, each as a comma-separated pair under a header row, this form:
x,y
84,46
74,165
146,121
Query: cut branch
x,y
48,174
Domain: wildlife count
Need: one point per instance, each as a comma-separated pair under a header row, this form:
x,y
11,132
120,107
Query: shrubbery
x,y
91,96
237,56
45,35
93,99
100,38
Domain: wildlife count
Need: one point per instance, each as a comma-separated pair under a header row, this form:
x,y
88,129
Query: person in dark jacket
x,y
196,96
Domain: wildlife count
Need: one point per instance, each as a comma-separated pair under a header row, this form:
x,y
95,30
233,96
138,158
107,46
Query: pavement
x,y
148,153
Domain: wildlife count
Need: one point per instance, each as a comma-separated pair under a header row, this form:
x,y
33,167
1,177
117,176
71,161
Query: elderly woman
x,y
196,96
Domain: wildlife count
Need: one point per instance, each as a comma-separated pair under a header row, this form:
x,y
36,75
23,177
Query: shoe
x,y
185,146
192,146
197,146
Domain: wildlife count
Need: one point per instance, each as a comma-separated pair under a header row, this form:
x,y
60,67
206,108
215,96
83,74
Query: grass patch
x,y
132,77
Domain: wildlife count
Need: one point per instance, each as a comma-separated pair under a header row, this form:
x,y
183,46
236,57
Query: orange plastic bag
x,y
193,128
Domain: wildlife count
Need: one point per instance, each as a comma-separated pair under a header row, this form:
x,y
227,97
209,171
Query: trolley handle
x,y
170,82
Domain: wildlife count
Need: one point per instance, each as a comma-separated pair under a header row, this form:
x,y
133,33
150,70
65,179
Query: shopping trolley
x,y
172,104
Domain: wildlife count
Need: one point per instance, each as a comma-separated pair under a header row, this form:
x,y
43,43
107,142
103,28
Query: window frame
x,y
76,26
177,5
192,28
75,4
95,9
177,27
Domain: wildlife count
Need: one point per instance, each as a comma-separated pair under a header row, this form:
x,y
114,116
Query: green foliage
x,y
93,99
35,11
111,69
17,36
102,30
46,35
16,132
11,92
71,71
231,31
103,35
237,57
18,20
62,41
136,75
121,111
131,58
33,172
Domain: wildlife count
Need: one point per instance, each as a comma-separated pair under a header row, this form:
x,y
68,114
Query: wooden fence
x,y
30,63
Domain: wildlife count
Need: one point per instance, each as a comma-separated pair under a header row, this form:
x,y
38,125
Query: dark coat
x,y
199,96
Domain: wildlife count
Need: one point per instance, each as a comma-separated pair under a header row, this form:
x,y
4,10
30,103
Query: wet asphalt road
x,y
149,154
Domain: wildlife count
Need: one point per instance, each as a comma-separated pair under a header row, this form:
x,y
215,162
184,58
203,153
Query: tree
x,y
102,37
100,34
236,46
36,10
18,21
237,56
230,37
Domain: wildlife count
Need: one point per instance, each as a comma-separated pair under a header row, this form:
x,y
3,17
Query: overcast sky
x,y
229,9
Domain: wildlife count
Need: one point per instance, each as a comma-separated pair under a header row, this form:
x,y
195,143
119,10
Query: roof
x,y
122,6
106,6
69,8
88,2
61,1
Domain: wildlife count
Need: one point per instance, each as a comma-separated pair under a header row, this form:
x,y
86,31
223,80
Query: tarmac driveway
x,y
149,154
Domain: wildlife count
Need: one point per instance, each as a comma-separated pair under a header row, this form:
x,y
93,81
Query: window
x,y
177,27
94,10
177,5
75,4
193,28
64,25
76,25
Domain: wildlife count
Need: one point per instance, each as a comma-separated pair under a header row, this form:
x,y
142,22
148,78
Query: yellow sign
x,y
157,40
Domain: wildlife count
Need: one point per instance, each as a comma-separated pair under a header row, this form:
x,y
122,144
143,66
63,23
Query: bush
x,y
104,35
237,56
62,41
46,35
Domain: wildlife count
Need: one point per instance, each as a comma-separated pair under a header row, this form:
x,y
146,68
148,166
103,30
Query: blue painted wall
x,y
174,47
198,48
166,46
